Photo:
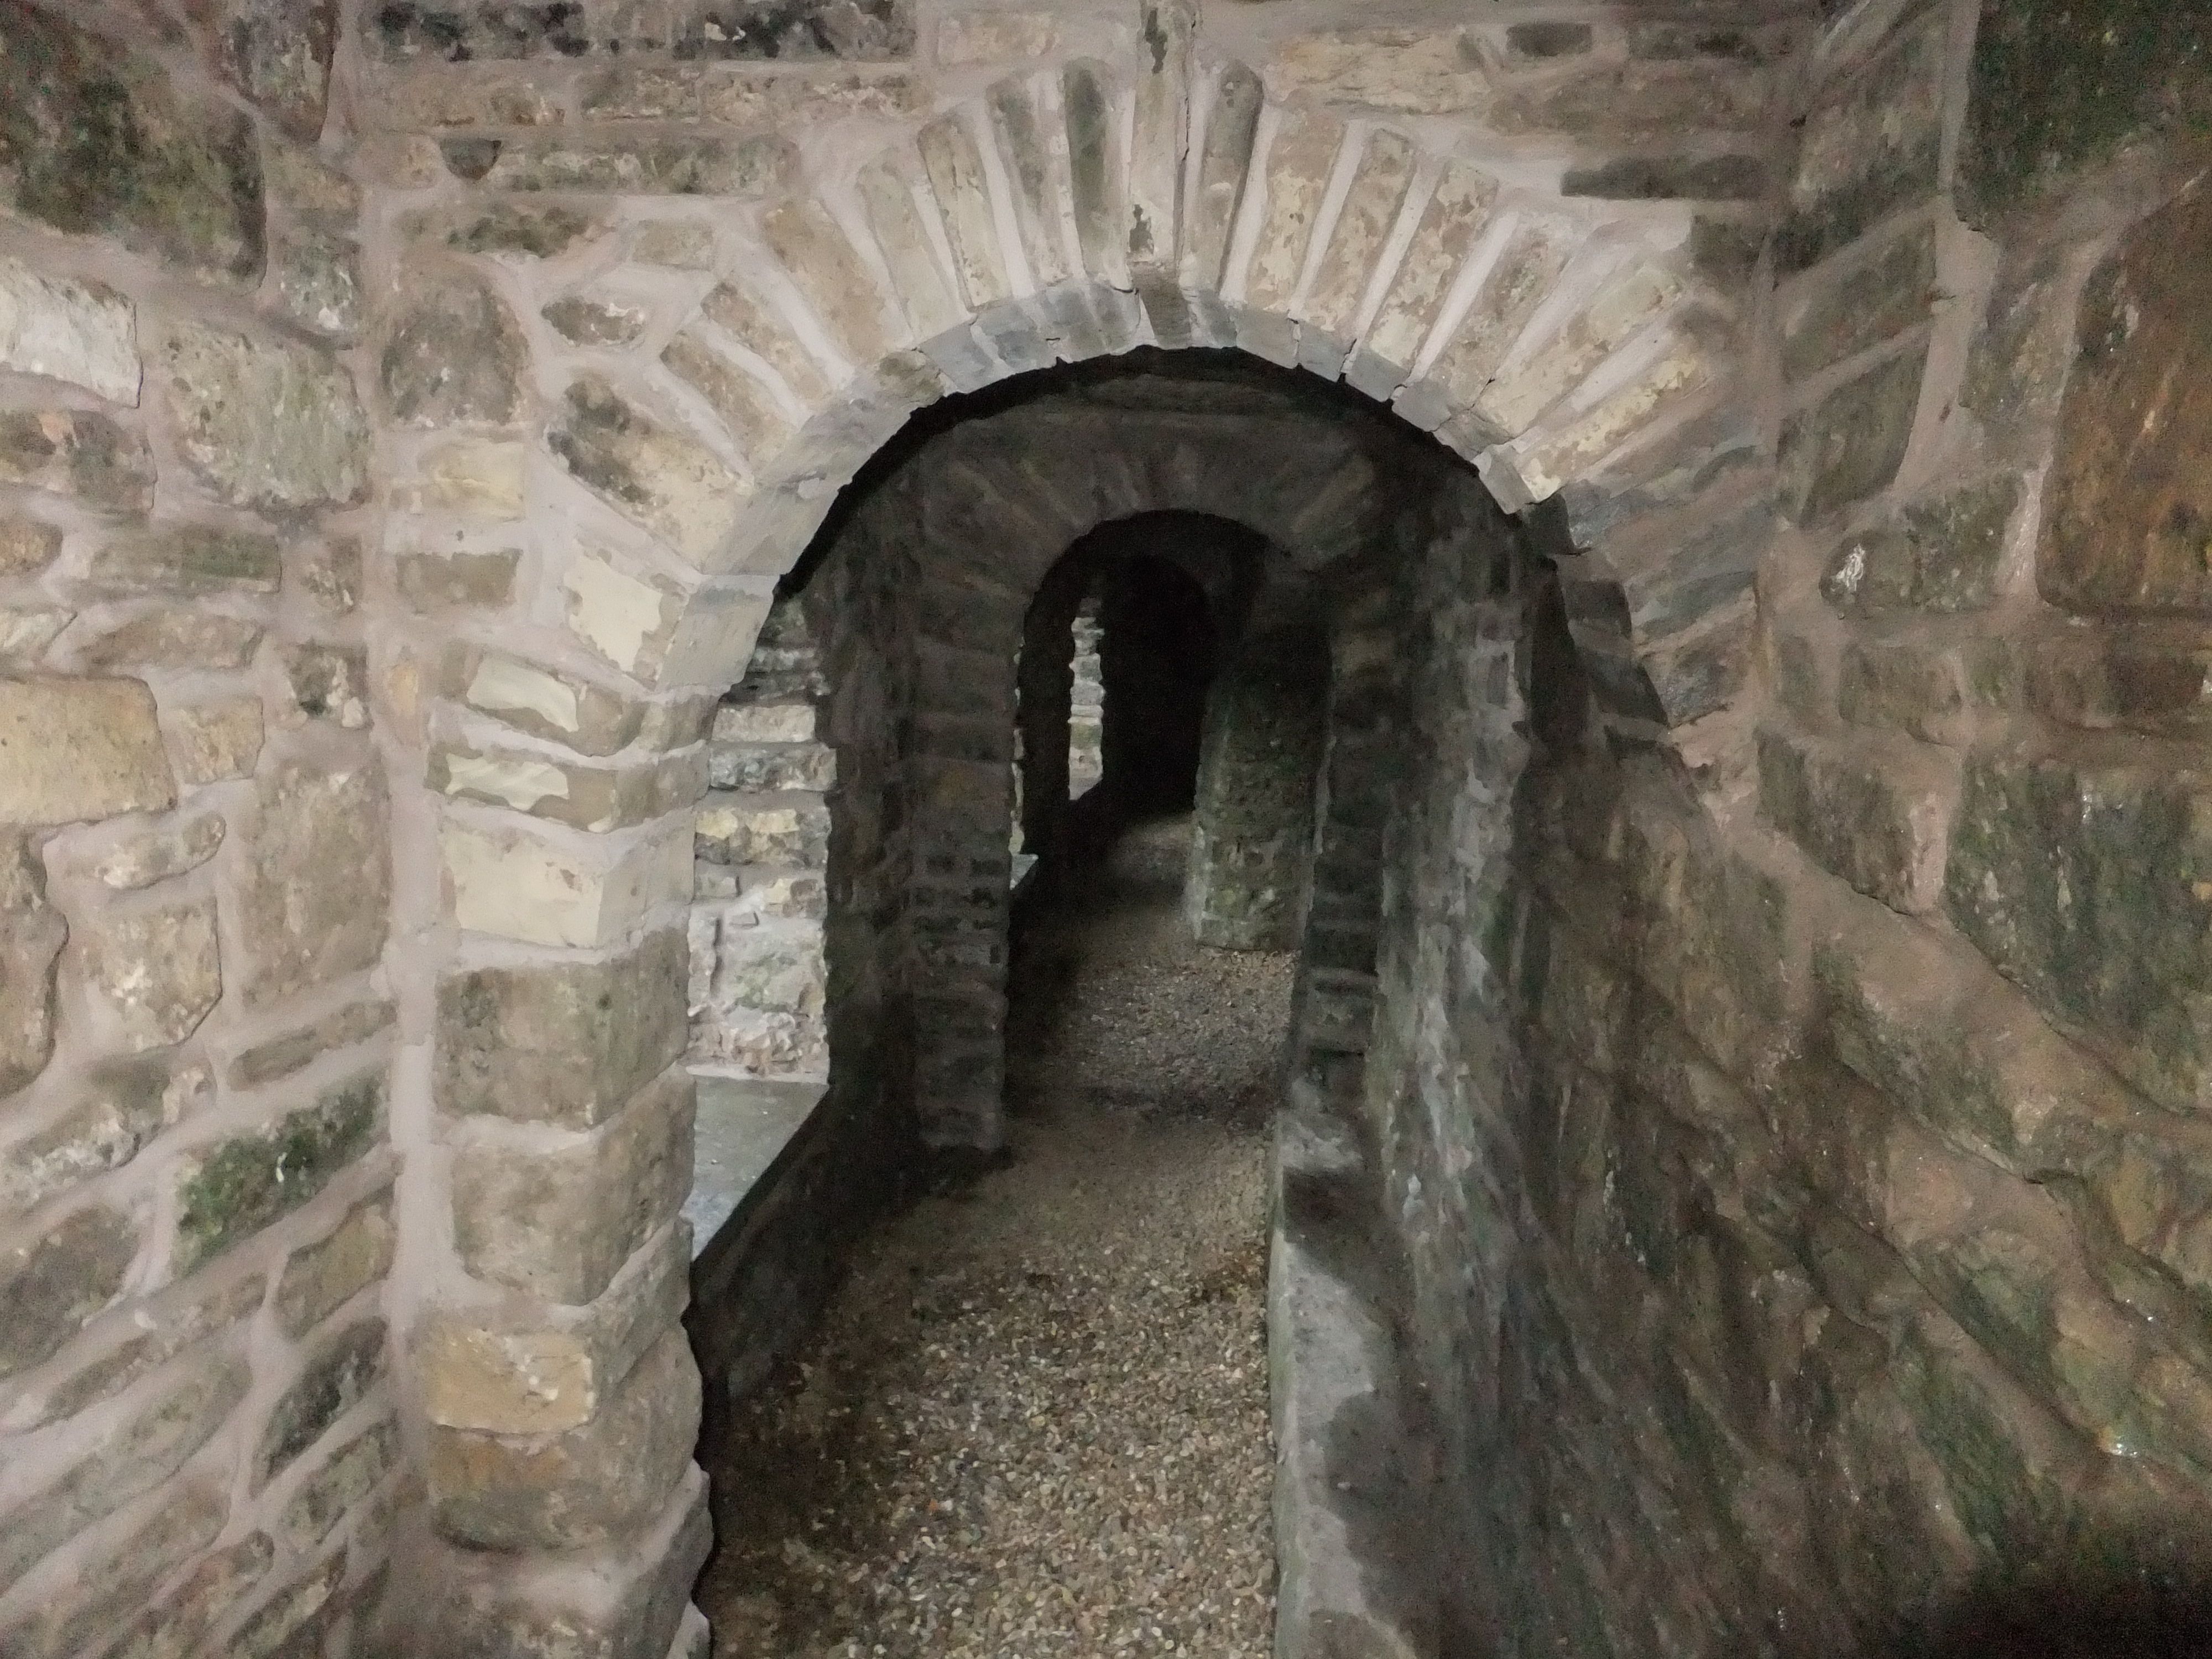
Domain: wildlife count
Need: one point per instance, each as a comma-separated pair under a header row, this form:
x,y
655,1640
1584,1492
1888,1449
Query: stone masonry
x,y
1742,457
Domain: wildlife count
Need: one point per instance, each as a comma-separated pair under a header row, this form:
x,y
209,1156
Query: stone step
x,y
742,1126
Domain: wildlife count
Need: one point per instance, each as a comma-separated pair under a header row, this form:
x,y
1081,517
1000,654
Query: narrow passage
x,y
1035,1421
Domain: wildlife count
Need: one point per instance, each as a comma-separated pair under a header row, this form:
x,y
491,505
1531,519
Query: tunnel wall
x,y
1794,1140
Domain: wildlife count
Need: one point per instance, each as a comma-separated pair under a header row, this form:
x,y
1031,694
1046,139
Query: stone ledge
x,y
743,1126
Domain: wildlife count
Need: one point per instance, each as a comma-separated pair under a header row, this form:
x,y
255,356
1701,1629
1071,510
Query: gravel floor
x,y
1035,1422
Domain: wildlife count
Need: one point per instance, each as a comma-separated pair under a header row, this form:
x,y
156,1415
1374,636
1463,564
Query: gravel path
x,y
1035,1422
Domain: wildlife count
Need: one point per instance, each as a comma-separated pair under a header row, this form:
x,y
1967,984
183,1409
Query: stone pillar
x,y
1251,851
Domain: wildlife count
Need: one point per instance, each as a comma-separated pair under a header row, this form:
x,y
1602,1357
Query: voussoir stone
x,y
454,356
666,479
577,1487
567,1043
266,423
77,749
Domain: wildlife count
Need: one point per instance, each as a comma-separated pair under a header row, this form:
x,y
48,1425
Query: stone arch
x,y
1567,347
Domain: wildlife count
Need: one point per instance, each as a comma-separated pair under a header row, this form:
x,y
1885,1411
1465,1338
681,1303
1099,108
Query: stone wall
x,y
1790,1140
198,1430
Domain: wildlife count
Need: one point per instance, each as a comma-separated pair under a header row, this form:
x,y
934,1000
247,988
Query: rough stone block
x,y
523,228
1876,816
77,749
518,881
229,1190
1414,71
1942,554
1827,321
438,581
264,423
695,164
1922,691
218,740
142,861
454,356
189,559
666,480
2091,885
157,970
179,1323
124,1105
592,797
85,333
325,1497
105,146
209,1594
558,1219
296,1620
619,1605
53,1286
84,1607
546,703
1867,149
1671,178
27,546
583,319
567,1043
1849,446
321,1278
314,906
318,282
337,1376
174,637
77,453
280,1057
2129,523
138,1455
773,828
575,1488
277,53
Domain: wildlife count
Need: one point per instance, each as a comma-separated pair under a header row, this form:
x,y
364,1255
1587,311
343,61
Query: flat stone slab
x,y
742,1126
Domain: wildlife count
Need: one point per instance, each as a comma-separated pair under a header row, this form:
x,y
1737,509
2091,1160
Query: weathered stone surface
x,y
570,1044
77,453
326,1497
1876,816
536,1376
26,631
208,1594
99,143
462,31
1527,266
50,1287
315,191
174,637
524,227
582,320
700,164
85,333
157,970
629,1605
2090,886
1456,213
31,933
1849,446
1671,178
266,424
330,573
337,1376
89,1603
189,558
265,1062
73,749
666,479
138,1455
180,1324
581,1486
323,1277
1827,322
230,1190
124,1106
680,244
819,258
318,282
1867,149
26,547
2134,69
1922,691
277,53
768,828
1299,163
1649,99
746,406
560,1223
1416,71
1364,224
454,356
1943,555
2128,524
436,581
294,1620
213,741
314,905
515,881
329,682
545,701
